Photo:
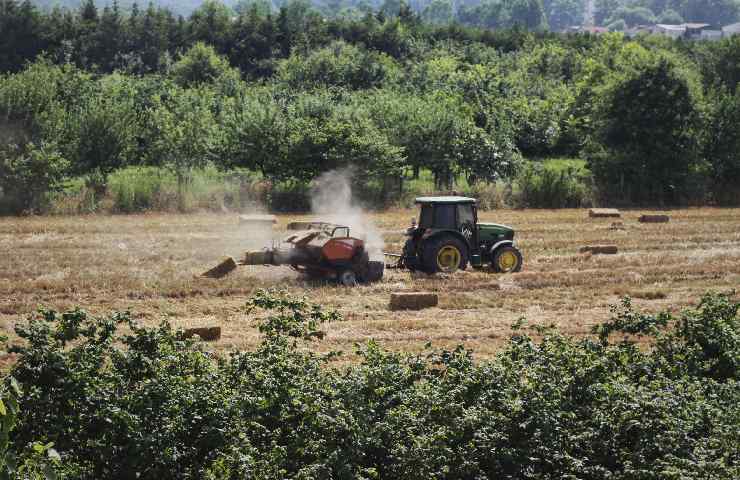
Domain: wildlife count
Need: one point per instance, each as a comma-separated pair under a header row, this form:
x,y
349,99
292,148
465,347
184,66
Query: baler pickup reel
x,y
317,249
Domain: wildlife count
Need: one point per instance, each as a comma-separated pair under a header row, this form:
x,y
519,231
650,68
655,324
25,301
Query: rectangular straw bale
x,y
655,219
222,269
600,249
413,300
207,334
604,213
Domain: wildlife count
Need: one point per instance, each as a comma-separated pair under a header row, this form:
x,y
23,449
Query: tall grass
x,y
540,185
139,189
556,183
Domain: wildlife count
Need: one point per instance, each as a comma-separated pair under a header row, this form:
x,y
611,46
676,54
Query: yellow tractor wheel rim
x,y
507,261
448,258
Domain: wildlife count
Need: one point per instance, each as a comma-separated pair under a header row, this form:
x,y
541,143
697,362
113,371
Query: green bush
x,y
544,186
28,175
122,401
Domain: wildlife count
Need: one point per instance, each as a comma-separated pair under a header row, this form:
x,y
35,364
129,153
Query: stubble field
x,y
149,264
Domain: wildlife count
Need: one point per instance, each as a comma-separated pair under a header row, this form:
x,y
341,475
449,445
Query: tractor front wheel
x,y
507,259
445,254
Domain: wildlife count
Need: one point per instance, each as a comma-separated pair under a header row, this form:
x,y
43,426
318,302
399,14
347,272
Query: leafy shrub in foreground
x,y
144,403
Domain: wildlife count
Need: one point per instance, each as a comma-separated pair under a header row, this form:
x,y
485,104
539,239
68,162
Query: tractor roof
x,y
425,200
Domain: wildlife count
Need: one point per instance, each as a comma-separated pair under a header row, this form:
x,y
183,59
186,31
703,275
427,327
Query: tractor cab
x,y
448,236
458,214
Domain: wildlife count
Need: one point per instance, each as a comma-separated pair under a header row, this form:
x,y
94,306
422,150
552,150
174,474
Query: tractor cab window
x,y
444,216
465,214
426,217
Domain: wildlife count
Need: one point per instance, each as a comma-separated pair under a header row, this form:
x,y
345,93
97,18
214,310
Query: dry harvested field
x,y
149,265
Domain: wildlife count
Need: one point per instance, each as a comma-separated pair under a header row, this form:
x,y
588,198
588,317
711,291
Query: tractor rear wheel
x,y
445,254
507,259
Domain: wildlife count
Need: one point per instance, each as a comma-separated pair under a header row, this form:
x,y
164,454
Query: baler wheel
x,y
347,278
374,271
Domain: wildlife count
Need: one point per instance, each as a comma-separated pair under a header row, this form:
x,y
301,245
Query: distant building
x,y
731,30
673,31
711,35
694,30
689,31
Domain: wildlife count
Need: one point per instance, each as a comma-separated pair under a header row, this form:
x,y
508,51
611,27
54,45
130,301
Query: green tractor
x,y
448,236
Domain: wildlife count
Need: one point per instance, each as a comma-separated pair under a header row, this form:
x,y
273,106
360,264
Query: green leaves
x,y
141,402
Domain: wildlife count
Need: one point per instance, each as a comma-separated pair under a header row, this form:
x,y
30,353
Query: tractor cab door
x,y
466,223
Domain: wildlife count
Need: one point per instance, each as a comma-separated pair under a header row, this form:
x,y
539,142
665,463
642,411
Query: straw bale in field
x,y
600,249
413,300
207,334
222,269
655,219
604,213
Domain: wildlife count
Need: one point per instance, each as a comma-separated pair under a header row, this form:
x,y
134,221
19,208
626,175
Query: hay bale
x,y
222,269
617,226
413,300
655,219
207,334
604,213
600,249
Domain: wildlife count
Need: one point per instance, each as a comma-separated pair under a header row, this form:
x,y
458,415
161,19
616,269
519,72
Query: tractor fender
x,y
500,244
453,233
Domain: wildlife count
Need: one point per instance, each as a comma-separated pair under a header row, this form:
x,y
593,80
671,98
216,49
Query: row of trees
x,y
148,41
654,118
647,12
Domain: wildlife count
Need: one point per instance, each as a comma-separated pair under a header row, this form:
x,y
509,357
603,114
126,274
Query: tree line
x,y
290,96
618,14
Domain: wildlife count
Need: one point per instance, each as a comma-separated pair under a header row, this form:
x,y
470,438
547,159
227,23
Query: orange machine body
x,y
341,249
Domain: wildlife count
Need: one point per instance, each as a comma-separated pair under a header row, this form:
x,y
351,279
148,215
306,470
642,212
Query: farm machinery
x,y
317,249
449,236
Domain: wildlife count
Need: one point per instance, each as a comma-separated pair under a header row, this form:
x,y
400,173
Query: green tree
x,y
100,134
22,34
185,132
633,16
714,12
670,17
648,136
28,174
325,136
529,14
256,131
200,64
338,64
438,12
722,148
604,9
721,63
211,24
562,14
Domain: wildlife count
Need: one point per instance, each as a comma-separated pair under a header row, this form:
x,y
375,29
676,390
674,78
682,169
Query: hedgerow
x,y
117,400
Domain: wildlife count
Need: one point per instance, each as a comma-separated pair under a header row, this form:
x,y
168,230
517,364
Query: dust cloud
x,y
332,201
